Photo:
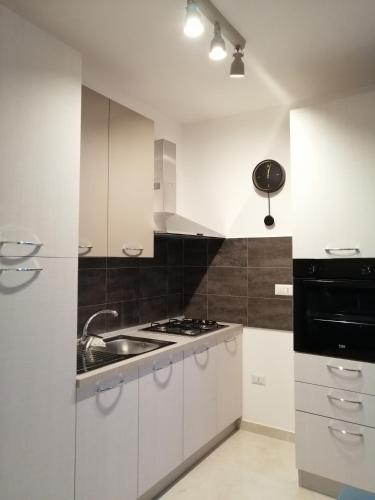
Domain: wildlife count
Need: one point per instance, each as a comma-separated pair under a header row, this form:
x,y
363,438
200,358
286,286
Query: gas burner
x,y
186,326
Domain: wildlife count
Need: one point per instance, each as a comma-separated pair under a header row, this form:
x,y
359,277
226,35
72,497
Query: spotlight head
x,y
217,48
193,23
237,68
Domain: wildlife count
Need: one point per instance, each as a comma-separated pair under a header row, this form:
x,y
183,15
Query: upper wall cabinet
x,y
94,174
117,171
39,141
333,178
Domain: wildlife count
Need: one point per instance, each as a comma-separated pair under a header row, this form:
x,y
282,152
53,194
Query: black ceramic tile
x,y
153,309
195,280
175,279
230,309
230,252
175,305
153,282
270,313
195,252
195,306
175,252
262,280
270,252
122,284
91,287
122,262
92,262
160,254
128,315
227,281
98,325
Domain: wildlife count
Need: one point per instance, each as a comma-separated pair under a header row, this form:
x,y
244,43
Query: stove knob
x,y
367,270
312,269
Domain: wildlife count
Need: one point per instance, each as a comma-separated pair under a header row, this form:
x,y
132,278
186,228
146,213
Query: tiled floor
x,y
247,466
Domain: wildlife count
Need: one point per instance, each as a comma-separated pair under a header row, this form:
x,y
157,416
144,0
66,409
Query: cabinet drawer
x,y
336,450
344,374
336,403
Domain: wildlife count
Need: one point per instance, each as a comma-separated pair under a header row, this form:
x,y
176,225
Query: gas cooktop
x,y
191,327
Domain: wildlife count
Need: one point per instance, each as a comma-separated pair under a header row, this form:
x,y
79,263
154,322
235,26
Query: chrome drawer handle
x,y
229,340
156,368
343,369
342,249
87,247
21,242
21,269
345,432
101,389
343,400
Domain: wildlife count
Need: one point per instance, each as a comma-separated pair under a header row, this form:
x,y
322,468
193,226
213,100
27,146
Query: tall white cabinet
x,y
333,177
40,95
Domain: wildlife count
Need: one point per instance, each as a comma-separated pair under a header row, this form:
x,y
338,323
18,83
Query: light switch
x,y
284,290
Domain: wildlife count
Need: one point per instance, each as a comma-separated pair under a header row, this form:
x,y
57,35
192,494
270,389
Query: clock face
x,y
268,176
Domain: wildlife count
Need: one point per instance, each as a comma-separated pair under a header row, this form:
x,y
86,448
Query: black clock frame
x,y
270,189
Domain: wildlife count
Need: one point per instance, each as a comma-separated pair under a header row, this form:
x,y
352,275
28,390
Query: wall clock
x,y
269,177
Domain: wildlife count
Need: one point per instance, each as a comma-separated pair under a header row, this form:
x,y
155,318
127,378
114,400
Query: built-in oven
x,y
334,307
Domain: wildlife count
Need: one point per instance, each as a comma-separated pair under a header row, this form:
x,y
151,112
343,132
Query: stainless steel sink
x,y
131,346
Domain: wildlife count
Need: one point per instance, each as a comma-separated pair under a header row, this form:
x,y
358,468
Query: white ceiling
x,y
296,50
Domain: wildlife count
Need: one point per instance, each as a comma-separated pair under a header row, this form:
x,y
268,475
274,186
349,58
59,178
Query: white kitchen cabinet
x,y
40,102
107,439
38,311
336,450
160,419
130,188
229,379
94,174
200,395
332,157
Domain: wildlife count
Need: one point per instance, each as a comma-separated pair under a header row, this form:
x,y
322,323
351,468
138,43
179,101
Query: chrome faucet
x,y
86,339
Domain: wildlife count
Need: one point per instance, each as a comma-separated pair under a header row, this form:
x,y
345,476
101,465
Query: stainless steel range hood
x,y
166,220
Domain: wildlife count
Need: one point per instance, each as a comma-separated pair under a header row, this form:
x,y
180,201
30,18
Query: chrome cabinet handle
x,y
342,249
343,369
344,432
21,242
104,389
22,269
156,368
229,340
343,400
87,247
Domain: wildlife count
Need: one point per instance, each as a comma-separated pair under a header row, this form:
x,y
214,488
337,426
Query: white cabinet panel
x,y
336,403
343,374
322,448
332,156
37,379
107,439
160,419
200,395
94,174
131,181
229,379
40,102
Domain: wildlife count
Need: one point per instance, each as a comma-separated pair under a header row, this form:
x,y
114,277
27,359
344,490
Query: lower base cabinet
x,y
107,439
160,419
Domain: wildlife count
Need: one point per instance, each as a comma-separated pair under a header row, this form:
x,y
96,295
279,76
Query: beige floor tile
x,y
246,466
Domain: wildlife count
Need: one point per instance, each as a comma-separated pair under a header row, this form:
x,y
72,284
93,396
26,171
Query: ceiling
x,y
297,50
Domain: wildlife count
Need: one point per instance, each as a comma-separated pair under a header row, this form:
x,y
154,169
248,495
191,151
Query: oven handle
x,y
342,321
343,369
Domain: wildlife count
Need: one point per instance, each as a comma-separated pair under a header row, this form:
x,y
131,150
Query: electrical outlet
x,y
284,290
258,380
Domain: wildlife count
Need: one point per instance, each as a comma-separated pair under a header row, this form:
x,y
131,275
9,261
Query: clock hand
x,y
268,171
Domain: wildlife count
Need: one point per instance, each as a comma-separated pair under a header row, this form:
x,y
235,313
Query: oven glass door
x,y
335,318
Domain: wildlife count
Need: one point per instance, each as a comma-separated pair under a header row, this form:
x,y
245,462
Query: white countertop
x,y
181,342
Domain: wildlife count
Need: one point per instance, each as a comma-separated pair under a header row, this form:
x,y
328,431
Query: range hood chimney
x,y
166,220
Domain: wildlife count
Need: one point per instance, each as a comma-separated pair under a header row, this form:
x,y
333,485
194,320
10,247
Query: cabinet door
x,y
40,102
229,379
38,311
332,155
200,396
94,174
107,439
131,174
160,419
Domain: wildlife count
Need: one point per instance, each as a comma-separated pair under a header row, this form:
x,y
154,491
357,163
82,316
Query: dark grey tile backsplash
x,y
227,280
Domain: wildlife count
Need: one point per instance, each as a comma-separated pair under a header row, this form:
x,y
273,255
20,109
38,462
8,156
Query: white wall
x,y
268,353
214,184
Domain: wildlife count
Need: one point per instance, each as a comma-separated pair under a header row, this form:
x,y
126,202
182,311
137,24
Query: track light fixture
x,y
237,68
193,23
222,27
217,49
